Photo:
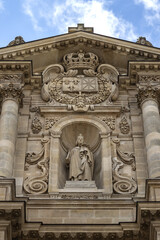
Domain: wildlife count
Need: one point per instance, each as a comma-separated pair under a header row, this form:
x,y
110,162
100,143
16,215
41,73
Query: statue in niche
x,y
80,161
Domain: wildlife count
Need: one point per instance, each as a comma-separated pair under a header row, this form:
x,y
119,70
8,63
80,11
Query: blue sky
x,y
36,19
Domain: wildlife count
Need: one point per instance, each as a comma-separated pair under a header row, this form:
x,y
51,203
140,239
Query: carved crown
x,y
80,60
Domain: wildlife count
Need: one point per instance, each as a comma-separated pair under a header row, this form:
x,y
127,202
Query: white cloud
x,y
152,8
68,13
29,10
1,5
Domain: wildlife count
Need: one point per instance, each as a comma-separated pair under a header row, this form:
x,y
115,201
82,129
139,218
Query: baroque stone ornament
x,y
50,122
18,40
36,125
110,121
122,184
82,85
147,91
144,41
149,79
124,125
11,91
8,78
38,184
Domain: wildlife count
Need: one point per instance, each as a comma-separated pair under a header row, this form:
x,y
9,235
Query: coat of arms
x,y
80,83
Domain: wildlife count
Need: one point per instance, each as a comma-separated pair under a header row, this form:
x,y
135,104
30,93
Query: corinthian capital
x,y
148,92
11,92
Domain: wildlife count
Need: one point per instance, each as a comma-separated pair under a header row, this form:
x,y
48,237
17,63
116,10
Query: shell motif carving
x,y
122,184
38,184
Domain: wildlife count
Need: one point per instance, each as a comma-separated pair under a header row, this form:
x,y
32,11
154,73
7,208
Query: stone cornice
x,y
137,70
16,71
13,69
75,38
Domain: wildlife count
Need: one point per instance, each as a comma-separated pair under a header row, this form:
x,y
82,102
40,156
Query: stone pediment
x,y
53,48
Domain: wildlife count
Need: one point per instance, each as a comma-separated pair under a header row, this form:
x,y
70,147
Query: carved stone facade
x,y
80,138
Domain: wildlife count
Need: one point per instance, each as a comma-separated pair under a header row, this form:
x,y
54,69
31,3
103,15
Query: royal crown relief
x,y
81,83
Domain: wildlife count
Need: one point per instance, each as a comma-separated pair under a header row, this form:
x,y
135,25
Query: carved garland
x,y
122,184
124,125
36,125
38,184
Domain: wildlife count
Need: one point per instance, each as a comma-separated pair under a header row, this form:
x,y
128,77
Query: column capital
x,y
11,91
148,92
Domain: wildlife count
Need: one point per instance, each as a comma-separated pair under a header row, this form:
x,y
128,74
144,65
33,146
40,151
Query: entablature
x,y
75,38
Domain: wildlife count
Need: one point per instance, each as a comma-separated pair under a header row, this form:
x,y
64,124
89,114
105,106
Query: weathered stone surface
x,y
80,83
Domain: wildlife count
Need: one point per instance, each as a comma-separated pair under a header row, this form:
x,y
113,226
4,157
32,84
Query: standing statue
x,y
80,161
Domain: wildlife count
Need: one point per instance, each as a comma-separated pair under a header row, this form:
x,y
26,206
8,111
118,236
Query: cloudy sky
x,y
36,19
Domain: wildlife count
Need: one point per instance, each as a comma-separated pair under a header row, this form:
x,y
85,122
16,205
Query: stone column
x,y
148,99
106,164
11,97
53,185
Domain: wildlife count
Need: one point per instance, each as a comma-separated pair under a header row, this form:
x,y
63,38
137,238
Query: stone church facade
x,y
80,138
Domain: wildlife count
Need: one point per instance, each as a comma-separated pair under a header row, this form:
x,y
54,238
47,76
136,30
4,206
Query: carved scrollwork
x,y
80,87
122,184
38,184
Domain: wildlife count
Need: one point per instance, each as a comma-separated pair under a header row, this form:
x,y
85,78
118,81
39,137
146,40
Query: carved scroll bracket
x,y
38,184
122,184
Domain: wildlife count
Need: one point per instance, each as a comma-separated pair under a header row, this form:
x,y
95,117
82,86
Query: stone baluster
x,y
11,97
148,99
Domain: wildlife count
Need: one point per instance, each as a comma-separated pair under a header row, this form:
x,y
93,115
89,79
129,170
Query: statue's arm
x,y
68,158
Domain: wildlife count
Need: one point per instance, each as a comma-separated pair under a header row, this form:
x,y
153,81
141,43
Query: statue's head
x,y
80,140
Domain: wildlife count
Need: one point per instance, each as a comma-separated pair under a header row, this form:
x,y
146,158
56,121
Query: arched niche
x,y
96,134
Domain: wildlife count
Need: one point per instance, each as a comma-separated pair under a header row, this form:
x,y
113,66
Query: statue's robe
x,y
80,160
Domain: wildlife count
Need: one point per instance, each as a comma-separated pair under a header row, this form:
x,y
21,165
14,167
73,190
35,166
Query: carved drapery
x,y
38,184
122,184
80,87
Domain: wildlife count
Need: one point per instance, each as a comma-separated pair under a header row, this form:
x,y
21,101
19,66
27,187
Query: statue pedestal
x,y
80,186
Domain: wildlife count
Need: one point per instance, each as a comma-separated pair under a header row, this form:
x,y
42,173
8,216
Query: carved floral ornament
x,y
81,83
11,91
148,91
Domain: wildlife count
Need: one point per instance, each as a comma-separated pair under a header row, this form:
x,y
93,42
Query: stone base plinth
x,y
80,186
